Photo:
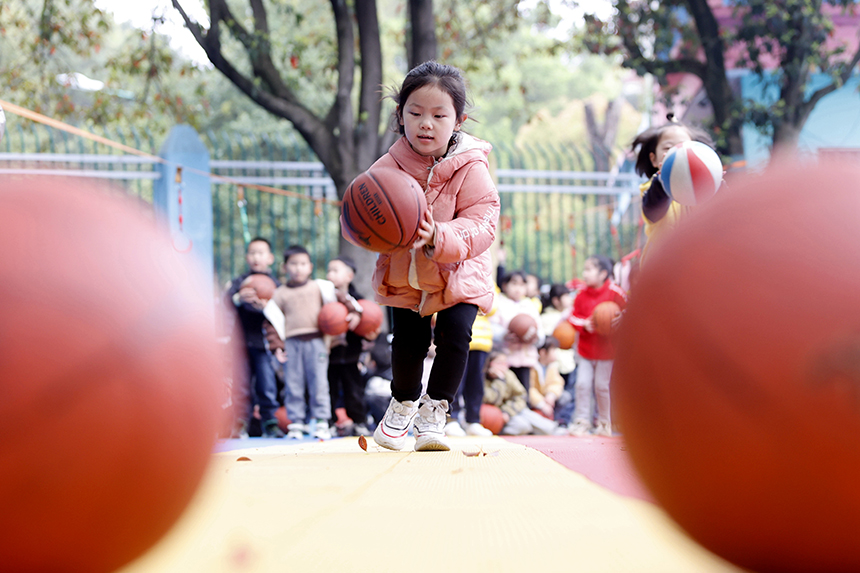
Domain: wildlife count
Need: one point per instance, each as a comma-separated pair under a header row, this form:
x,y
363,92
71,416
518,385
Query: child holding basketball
x,y
447,271
249,308
660,212
503,390
594,352
522,354
306,367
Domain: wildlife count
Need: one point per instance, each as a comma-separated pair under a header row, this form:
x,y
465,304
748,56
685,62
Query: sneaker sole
x,y
431,445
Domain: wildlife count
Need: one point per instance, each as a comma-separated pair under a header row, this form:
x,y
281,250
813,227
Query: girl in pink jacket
x,y
447,271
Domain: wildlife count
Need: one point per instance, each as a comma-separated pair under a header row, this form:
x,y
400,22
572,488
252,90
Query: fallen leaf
x,y
362,443
243,459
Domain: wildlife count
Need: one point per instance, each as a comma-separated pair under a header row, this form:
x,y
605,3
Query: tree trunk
x,y
423,45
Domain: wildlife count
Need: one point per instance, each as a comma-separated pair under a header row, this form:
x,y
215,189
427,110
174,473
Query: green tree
x,y
46,44
683,36
320,66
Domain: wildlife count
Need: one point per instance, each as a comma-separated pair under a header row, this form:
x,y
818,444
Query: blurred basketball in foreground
x,y
565,333
262,284
737,377
604,314
371,317
110,383
524,327
492,419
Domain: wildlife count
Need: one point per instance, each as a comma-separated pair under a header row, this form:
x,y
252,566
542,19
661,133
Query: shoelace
x,y
432,411
400,414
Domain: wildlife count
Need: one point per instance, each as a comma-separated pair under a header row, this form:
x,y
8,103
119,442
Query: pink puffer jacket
x,y
466,210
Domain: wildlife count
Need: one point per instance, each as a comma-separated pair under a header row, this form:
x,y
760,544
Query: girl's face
x,y
562,302
592,274
499,363
671,137
515,289
429,119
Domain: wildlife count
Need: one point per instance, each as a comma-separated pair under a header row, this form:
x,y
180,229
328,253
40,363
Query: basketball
x,y
263,285
382,209
491,418
737,372
524,327
332,318
108,429
603,315
691,173
371,318
565,333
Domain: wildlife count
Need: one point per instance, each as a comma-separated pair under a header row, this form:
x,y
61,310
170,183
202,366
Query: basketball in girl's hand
x,y
691,173
603,315
737,371
106,433
371,317
524,327
262,284
382,209
565,333
332,319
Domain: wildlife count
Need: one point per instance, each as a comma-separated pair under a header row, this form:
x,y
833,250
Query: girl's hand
x,y
353,318
589,325
616,320
426,230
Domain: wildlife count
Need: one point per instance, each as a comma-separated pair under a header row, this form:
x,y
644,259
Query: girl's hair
x,y
648,139
507,278
603,263
490,357
556,290
447,78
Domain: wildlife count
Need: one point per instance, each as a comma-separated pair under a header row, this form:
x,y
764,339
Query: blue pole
x,y
183,198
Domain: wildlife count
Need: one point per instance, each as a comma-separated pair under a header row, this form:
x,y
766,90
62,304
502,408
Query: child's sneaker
x,y
476,429
454,429
580,428
429,425
295,431
603,429
321,431
391,431
271,430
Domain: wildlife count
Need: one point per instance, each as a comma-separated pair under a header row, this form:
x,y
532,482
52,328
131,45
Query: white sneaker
x,y
295,431
476,429
322,431
603,429
454,429
580,428
391,431
429,425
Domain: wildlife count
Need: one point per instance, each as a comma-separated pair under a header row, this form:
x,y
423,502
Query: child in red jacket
x,y
594,352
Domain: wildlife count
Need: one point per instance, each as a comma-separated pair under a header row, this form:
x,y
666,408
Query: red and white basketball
x,y
691,173
382,209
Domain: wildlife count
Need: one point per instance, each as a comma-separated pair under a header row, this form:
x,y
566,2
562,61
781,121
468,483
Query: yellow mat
x,y
329,506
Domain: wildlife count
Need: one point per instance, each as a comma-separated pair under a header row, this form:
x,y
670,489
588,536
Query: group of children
x,y
441,296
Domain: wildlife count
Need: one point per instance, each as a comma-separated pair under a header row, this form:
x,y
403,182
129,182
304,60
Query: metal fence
x,y
555,209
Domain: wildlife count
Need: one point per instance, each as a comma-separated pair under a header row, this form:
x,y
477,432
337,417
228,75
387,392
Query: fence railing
x,y
555,209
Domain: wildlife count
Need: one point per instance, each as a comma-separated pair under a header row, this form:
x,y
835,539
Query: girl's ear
x,y
399,113
461,122
653,157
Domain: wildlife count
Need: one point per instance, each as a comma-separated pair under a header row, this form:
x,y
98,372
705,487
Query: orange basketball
x,y
492,419
381,210
107,430
603,315
332,318
371,318
565,333
262,284
737,374
524,326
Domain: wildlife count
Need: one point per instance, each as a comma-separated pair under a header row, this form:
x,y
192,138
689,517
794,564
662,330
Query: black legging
x,y
411,341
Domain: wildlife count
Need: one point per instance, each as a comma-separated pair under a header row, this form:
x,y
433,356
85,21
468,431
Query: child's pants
x,y
307,367
411,341
529,422
592,374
